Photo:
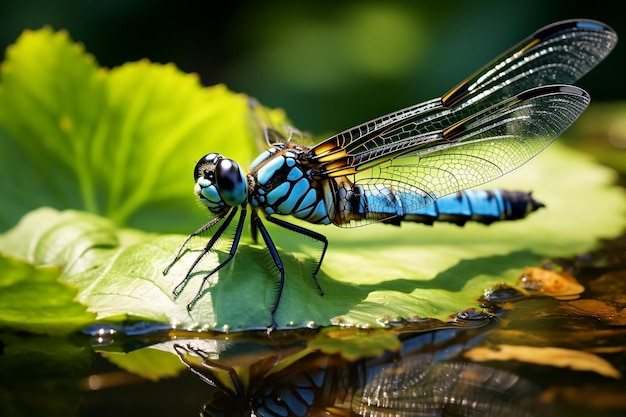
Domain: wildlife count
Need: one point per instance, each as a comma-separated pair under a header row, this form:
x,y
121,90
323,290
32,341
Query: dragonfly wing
x,y
560,53
480,148
487,145
262,126
266,132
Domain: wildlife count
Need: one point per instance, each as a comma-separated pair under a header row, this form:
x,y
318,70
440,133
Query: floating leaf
x,y
121,144
559,285
33,299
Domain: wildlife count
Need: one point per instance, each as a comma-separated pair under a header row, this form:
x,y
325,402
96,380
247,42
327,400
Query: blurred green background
x,y
330,64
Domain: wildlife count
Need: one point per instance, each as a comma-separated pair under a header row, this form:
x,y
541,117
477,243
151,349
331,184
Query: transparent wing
x,y
557,54
267,133
560,53
480,148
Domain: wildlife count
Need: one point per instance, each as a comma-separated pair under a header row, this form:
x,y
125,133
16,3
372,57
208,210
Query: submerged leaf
x,y
42,375
152,364
551,356
600,309
354,343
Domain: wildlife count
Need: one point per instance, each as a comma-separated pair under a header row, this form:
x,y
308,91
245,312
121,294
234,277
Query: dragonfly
x,y
413,165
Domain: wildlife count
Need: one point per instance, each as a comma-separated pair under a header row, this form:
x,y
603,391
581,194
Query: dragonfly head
x,y
220,183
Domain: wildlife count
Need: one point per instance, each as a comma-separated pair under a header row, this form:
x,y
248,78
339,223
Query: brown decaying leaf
x,y
550,356
561,286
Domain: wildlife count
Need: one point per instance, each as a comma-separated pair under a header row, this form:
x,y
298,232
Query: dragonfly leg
x,y
178,289
306,232
231,253
275,257
254,232
184,249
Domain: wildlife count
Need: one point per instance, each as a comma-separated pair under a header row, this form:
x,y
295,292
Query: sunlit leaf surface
x,y
33,298
119,145
119,142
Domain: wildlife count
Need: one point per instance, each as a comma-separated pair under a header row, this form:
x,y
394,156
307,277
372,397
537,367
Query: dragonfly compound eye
x,y
205,168
231,182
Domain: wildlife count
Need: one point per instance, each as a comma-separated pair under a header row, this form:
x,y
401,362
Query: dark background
x,y
330,64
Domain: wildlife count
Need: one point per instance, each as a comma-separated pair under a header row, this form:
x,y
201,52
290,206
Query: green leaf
x,y
120,271
354,343
33,299
121,145
371,275
152,364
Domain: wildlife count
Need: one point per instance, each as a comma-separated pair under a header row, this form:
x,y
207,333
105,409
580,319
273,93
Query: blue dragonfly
x,y
412,165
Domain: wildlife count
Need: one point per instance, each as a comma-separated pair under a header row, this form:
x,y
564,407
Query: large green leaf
x,y
120,142
121,145
371,274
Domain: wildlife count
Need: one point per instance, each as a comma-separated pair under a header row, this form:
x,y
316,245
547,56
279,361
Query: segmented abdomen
x,y
482,206
353,205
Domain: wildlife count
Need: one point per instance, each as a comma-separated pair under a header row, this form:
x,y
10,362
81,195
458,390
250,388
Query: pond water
x,y
528,354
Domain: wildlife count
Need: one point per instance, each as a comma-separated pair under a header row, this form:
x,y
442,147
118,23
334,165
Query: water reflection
x,y
543,356
424,377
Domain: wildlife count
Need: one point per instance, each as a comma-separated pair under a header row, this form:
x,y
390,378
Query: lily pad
x,y
111,151
120,271
42,375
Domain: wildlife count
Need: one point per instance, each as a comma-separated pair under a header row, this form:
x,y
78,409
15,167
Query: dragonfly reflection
x,y
412,165
423,378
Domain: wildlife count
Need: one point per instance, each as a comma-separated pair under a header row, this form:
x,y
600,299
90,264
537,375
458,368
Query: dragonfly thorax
x,y
220,183
280,184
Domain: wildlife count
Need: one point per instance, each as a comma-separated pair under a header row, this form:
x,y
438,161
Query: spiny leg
x,y
254,232
310,233
184,249
178,289
231,252
275,257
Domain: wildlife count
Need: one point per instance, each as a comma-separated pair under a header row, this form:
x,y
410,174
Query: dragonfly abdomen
x,y
482,206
